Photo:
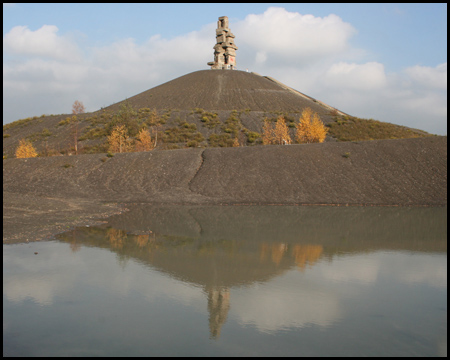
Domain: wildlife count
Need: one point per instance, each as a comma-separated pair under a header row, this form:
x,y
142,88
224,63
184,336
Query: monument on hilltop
x,y
225,49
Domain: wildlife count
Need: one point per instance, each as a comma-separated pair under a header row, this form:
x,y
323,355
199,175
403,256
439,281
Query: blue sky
x,y
381,61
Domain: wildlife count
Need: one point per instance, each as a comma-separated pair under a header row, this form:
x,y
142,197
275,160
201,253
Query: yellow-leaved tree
x,y
119,140
267,134
25,149
310,128
277,134
144,141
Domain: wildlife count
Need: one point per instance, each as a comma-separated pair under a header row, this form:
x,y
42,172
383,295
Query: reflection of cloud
x,y
399,266
286,302
19,288
40,278
420,269
56,271
352,268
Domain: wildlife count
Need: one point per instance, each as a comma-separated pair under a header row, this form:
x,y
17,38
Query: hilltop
x,y
205,108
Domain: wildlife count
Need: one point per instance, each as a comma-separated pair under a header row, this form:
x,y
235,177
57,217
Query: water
x,y
233,280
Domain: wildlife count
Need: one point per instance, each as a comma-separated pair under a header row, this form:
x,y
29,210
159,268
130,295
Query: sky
x,y
387,62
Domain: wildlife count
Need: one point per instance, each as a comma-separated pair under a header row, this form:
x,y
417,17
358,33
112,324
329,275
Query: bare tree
x,y
77,108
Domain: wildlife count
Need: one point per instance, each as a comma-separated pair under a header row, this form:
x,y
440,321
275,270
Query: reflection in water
x,y
218,306
215,265
208,246
266,268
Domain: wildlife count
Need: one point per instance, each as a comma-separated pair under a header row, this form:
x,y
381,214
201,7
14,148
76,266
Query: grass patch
x,y
19,123
183,133
347,128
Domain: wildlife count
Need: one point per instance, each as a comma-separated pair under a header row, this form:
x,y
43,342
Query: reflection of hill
x,y
234,245
221,247
336,228
205,262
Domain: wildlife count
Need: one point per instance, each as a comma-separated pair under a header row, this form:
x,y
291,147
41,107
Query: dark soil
x,y
44,196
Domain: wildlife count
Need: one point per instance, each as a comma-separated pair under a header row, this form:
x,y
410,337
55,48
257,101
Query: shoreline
x,y
45,196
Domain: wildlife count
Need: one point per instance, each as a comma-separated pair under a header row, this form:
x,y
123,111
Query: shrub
x,y
220,140
252,136
25,149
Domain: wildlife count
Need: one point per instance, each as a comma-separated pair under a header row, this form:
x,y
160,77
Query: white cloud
x,y
292,36
353,76
425,76
311,54
43,42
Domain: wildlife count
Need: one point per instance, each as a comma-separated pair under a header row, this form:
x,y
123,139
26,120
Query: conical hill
x,y
206,108
225,90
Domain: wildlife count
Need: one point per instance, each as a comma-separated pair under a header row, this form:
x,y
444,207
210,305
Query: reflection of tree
x,y
218,307
141,240
116,237
303,254
276,252
74,245
306,254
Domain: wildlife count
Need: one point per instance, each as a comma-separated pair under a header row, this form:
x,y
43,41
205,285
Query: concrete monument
x,y
225,49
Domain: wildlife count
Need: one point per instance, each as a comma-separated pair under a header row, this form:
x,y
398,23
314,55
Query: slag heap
x,y
225,49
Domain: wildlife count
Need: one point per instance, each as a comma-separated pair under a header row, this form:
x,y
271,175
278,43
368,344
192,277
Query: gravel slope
x,y
383,172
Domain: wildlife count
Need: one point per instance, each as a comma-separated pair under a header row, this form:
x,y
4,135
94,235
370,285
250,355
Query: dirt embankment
x,y
384,172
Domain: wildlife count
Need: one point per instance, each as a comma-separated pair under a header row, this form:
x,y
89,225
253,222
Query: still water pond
x,y
233,280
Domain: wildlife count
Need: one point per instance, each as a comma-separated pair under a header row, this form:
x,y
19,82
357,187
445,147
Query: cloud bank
x,y
44,71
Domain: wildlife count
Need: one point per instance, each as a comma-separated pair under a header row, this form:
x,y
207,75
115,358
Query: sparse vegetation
x,y
91,133
19,123
183,133
349,128
220,140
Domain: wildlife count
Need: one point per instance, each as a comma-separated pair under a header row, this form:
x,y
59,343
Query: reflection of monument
x,y
216,265
225,49
218,306
224,247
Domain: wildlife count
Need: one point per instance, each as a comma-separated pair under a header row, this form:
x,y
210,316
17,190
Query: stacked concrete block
x,y
225,48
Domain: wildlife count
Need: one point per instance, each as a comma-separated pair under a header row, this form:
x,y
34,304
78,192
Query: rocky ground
x,y
44,196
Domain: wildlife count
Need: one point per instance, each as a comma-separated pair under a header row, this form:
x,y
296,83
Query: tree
x,y
127,116
119,140
310,128
277,134
77,108
282,136
267,135
25,149
144,141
